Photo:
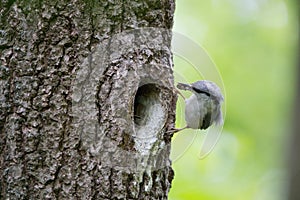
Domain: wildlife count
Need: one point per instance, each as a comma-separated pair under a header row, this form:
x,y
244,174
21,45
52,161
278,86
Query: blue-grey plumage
x,y
203,107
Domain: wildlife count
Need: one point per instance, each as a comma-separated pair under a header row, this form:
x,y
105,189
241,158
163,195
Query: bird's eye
x,y
201,91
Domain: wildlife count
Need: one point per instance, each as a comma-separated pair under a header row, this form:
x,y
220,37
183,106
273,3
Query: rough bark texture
x,y
85,99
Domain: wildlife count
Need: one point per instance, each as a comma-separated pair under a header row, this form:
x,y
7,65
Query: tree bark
x,y
86,99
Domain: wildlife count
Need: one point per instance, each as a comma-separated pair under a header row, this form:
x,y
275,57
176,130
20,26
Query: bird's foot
x,y
178,92
175,130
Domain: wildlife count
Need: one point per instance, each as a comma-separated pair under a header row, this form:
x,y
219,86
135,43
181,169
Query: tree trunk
x,y
86,99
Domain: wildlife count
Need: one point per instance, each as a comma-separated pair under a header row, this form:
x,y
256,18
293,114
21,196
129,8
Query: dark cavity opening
x,y
147,96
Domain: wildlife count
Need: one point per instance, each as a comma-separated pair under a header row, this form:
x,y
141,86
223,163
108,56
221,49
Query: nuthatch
x,y
203,107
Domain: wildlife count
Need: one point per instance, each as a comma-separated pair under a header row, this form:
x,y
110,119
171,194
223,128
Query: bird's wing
x,y
206,122
211,139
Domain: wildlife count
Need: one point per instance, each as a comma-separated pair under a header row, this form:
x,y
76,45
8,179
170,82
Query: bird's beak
x,y
183,86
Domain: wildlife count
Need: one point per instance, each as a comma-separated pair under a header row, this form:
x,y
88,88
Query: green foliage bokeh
x,y
253,43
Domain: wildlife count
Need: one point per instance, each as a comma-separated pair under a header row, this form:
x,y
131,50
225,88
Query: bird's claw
x,y
175,130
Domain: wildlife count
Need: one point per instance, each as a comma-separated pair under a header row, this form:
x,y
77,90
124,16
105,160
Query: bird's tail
x,y
183,86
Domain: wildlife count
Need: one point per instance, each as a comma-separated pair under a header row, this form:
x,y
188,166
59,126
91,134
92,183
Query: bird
x,y
203,107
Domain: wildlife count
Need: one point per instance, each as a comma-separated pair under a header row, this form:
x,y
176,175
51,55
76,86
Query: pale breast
x,y
195,110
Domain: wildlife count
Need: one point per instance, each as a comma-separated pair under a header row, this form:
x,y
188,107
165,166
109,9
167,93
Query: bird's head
x,y
203,87
207,87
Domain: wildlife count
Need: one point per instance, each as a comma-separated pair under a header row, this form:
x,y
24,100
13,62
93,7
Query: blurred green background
x,y
253,43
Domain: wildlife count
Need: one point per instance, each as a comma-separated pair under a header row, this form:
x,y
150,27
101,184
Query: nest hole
x,y
149,114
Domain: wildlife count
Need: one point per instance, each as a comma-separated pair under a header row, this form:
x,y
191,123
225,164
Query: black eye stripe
x,y
201,91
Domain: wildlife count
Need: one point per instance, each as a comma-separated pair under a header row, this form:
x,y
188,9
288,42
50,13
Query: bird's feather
x,y
206,122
